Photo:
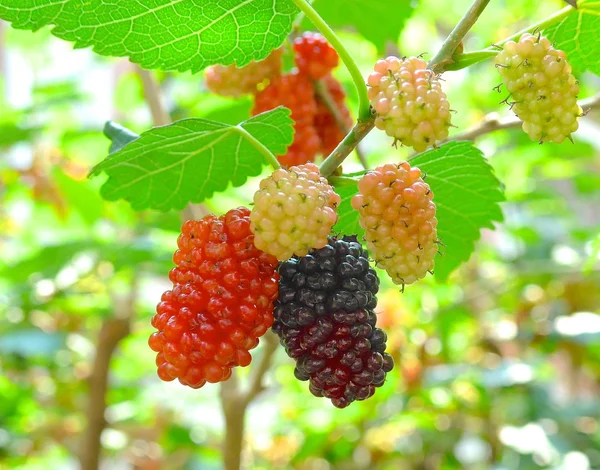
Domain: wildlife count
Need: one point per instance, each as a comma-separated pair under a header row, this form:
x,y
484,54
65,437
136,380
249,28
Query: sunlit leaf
x,y
189,160
163,34
577,35
368,17
466,195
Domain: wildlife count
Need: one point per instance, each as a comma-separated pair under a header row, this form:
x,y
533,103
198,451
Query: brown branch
x,y
235,401
154,98
113,331
325,97
493,122
270,342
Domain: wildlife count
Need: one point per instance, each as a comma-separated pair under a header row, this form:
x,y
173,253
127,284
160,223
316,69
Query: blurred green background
x,y
497,369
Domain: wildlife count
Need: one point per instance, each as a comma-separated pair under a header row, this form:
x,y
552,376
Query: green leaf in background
x,y
11,133
163,34
189,160
577,35
466,195
366,16
80,195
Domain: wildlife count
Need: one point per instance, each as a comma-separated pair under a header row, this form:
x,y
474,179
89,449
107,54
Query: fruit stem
x,y
465,60
323,95
444,56
258,145
346,146
364,107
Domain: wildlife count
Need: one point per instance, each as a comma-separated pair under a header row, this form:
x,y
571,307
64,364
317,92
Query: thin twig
x,y
271,343
493,122
346,146
154,98
325,97
113,331
235,401
444,55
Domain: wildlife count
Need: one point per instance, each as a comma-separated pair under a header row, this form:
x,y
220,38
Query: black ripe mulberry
x,y
325,320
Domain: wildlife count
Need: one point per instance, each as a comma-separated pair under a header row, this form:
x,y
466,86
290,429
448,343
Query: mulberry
x,y
324,318
296,92
315,57
409,101
397,211
232,81
543,89
294,211
220,304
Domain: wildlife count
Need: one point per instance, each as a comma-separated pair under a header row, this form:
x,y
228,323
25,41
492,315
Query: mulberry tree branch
x,y
113,331
235,401
493,122
444,55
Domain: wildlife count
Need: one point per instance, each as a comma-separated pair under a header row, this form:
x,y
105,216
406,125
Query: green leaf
x,y
347,223
466,195
11,134
190,160
379,21
80,196
163,34
577,35
119,135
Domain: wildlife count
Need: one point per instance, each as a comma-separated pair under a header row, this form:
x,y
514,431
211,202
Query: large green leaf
x,y
189,160
466,195
379,21
577,35
163,34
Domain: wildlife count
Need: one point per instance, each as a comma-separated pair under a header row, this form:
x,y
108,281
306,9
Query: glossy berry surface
x,y
296,92
543,89
409,101
294,211
398,214
324,318
220,304
315,57
233,81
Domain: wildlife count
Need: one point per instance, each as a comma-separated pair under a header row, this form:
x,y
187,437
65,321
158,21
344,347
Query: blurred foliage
x,y
498,368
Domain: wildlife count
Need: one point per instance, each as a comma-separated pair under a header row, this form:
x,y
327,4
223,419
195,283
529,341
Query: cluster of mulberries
x,y
233,81
409,101
543,89
398,214
324,318
315,57
296,92
316,129
294,211
220,304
